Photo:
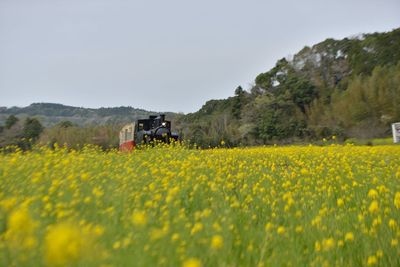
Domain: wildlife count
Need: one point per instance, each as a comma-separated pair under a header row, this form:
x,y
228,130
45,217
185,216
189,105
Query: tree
x,y
301,90
238,102
65,124
32,129
10,121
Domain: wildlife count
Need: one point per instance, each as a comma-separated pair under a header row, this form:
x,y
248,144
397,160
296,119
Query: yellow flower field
x,y
265,206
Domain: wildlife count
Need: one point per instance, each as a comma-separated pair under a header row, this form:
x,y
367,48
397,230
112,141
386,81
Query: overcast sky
x,y
162,55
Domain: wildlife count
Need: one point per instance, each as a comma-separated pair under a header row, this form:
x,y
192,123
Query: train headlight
x,y
164,124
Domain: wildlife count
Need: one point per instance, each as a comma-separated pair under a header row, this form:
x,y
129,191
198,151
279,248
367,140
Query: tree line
x,y
25,133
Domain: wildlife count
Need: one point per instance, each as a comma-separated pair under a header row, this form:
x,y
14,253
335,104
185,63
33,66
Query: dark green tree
x,y
65,124
302,91
10,121
238,102
32,129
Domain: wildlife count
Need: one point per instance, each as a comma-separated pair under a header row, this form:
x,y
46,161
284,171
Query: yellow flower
x,y
20,220
268,226
8,203
373,207
139,218
217,242
192,262
20,229
197,227
98,230
396,200
392,224
328,244
175,237
116,245
340,202
372,193
304,171
157,233
280,230
97,191
317,246
349,236
372,260
299,229
66,244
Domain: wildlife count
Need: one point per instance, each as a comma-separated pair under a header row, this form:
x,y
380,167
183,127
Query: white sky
x,y
162,55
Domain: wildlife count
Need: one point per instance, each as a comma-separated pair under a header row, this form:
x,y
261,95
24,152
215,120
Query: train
x,y
146,131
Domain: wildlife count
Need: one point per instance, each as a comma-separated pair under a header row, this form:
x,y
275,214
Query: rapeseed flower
x,y
328,244
372,260
373,207
192,262
20,229
349,236
217,242
139,218
280,230
66,244
396,200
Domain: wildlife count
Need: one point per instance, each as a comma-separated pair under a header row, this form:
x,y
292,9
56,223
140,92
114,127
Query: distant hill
x,y
50,114
343,88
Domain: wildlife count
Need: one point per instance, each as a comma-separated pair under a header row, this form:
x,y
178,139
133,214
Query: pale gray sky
x,y
162,55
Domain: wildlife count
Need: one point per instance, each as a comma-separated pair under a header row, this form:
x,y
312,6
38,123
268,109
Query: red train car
x,y
127,137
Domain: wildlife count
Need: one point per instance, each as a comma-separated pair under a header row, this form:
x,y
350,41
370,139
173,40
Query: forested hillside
x,y
343,88
50,114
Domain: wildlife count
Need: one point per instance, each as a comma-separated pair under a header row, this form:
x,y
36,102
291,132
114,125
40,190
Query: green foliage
x,y
367,107
238,102
76,137
343,88
32,129
374,50
302,92
22,135
11,120
65,124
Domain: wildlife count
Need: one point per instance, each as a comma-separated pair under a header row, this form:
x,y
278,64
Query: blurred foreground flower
x,y
66,244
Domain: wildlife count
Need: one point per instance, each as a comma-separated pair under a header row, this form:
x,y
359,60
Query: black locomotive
x,y
155,128
146,131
